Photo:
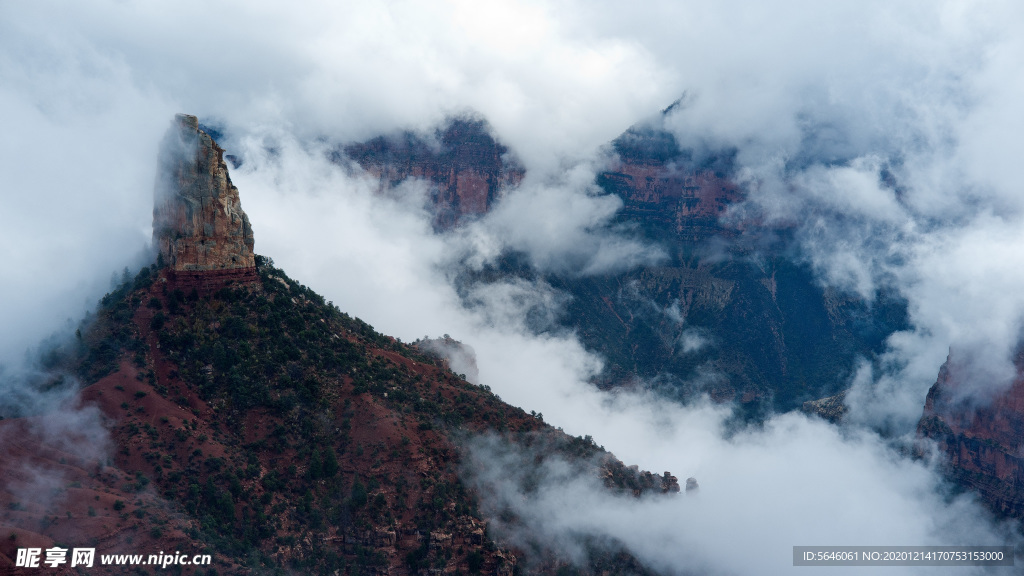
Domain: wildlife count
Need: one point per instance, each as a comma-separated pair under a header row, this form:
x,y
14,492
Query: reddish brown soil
x,y
58,489
157,428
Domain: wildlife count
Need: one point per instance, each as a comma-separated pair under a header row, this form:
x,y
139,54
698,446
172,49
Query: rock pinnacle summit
x,y
198,221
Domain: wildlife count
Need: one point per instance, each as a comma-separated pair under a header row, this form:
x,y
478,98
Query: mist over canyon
x,y
776,248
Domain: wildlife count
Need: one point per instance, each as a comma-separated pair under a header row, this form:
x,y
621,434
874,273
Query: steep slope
x,y
57,488
263,425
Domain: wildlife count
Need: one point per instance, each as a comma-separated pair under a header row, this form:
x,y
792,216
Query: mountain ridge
x,y
250,419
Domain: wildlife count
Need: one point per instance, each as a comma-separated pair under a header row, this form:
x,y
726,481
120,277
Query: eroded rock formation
x,y
831,408
198,221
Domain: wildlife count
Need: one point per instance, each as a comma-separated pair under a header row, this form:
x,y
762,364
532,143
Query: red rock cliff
x,y
198,221
467,168
660,183
984,443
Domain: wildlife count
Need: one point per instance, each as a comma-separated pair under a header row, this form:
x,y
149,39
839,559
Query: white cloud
x,y
798,482
562,226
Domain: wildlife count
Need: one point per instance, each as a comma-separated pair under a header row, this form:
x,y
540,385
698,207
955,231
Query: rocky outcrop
x,y
831,408
198,221
457,356
983,442
618,476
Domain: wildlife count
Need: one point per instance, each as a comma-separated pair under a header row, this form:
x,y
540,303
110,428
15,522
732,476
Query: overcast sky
x,y
817,98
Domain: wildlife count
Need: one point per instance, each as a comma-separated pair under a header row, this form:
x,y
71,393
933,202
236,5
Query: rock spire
x,y
198,221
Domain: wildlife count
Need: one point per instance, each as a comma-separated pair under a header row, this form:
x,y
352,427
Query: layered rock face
x,y
660,184
467,168
984,444
198,221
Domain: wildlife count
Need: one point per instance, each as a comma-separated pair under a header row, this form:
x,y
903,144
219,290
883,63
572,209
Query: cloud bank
x,y
799,480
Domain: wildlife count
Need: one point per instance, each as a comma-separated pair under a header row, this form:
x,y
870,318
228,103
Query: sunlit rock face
x,y
198,221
